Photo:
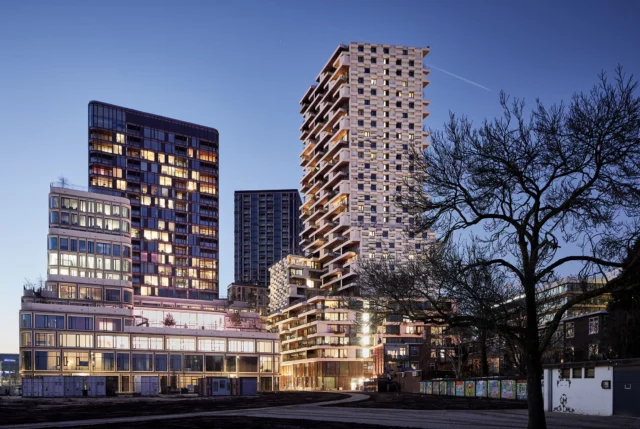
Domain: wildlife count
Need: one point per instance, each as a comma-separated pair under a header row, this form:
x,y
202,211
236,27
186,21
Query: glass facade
x,y
168,169
267,228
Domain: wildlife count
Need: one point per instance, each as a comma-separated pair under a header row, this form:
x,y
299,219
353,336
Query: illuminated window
x,y
148,155
119,138
207,189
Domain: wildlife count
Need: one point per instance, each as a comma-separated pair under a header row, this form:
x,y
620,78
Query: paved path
x,y
427,419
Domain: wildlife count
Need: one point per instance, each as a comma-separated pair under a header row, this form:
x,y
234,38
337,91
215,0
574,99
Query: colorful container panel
x,y
494,389
508,389
444,390
521,390
469,388
481,388
459,388
451,388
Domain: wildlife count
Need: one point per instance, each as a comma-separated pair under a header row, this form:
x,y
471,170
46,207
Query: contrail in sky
x,y
460,77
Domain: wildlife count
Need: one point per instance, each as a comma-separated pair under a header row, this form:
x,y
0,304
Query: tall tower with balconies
x,y
361,119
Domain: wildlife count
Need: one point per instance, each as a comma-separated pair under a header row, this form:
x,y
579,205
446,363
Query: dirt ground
x,y
16,410
241,423
414,401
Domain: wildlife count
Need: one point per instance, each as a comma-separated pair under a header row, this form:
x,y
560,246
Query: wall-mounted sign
x,y
606,384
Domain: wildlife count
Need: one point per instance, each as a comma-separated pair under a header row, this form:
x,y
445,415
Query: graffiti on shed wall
x,y
459,388
563,407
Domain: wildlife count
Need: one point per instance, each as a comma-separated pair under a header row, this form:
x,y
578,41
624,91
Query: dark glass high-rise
x,y
168,169
267,229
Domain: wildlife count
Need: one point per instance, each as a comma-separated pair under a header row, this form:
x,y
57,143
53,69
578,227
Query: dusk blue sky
x,y
242,68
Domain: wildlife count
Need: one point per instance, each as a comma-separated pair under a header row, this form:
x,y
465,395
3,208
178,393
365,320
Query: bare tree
x,y
556,190
63,182
458,356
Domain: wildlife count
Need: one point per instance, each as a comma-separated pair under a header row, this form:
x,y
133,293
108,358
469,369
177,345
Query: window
x,y
148,343
112,295
75,360
91,293
266,364
594,325
193,363
360,80
49,321
175,363
108,324
565,373
577,372
570,330
53,243
178,343
112,342
211,345
360,91
25,359
367,70
25,339
75,340
47,361
25,320
589,373
360,48
142,362
67,291
405,52
367,102
103,361
122,361
45,339
161,363
241,346
214,363
81,323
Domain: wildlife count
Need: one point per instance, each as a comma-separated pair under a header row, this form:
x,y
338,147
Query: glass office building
x,y
168,170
